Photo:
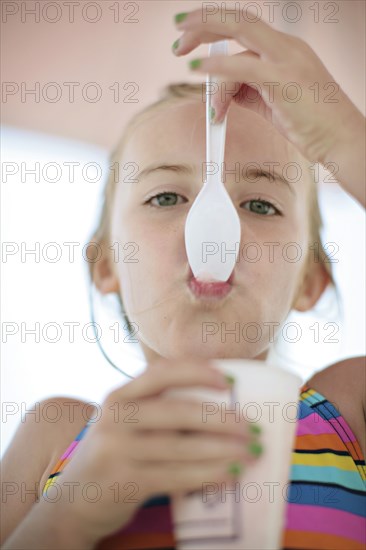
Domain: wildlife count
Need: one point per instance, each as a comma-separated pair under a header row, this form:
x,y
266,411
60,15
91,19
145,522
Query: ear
x,y
104,276
314,283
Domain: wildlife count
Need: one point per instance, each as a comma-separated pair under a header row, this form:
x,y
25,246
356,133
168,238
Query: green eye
x,y
164,199
258,206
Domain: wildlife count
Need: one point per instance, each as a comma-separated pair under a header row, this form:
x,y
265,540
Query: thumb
x,y
227,90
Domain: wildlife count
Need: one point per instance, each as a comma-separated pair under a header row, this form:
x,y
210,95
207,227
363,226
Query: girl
x,y
169,450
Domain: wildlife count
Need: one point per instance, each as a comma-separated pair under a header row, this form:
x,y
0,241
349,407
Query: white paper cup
x,y
248,513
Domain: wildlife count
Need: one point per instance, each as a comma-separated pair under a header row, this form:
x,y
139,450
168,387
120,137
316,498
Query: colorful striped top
x,y
326,501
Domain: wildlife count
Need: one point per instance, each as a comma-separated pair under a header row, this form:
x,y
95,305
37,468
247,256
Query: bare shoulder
x,y
344,384
41,437
346,377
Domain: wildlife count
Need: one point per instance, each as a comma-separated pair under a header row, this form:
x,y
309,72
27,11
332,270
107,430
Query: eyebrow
x,y
271,176
187,169
178,168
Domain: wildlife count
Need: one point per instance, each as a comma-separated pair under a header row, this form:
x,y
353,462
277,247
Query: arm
x,y
322,131
27,519
47,527
348,152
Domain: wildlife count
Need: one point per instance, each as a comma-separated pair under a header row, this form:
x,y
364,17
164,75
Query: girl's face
x,y
152,270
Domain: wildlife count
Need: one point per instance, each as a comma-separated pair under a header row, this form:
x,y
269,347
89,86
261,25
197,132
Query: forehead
x,y
178,129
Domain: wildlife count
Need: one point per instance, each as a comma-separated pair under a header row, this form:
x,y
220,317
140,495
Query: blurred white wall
x,y
130,50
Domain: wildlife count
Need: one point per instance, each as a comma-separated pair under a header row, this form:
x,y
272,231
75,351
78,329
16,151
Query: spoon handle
x,y
215,133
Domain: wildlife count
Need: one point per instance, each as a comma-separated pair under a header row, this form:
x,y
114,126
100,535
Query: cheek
x,y
286,270
272,259
151,257
279,246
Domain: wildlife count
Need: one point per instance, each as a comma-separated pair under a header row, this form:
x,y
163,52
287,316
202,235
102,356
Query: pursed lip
x,y
213,290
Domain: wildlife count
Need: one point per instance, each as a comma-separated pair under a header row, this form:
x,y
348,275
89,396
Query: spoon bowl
x,y
211,234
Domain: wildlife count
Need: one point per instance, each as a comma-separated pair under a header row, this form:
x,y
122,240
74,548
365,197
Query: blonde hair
x,y
176,93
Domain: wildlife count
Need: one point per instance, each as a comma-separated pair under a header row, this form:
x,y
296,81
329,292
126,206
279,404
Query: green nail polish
x,y
235,469
230,379
255,429
194,63
179,17
255,448
175,44
212,113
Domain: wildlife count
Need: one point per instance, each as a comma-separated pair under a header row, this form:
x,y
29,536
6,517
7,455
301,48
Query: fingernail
x,y
212,114
194,63
235,469
175,45
255,429
230,379
255,448
179,17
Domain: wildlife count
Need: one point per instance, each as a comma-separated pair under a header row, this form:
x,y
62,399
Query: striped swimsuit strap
x,y
327,496
326,501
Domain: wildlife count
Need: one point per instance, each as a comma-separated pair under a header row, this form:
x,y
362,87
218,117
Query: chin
x,y
217,350
182,338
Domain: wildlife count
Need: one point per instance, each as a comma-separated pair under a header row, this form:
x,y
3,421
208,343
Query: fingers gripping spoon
x,y
212,229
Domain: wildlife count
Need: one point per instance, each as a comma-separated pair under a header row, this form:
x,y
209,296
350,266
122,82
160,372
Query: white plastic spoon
x,y
212,229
